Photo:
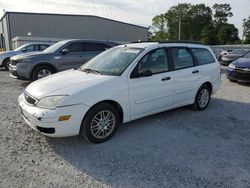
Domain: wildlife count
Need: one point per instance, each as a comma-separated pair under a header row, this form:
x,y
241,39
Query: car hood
x,y
28,55
233,55
242,63
65,83
9,53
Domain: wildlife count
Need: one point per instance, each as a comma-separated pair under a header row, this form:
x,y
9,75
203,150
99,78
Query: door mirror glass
x,y
24,50
65,51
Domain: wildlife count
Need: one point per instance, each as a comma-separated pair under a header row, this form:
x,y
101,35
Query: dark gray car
x,y
61,56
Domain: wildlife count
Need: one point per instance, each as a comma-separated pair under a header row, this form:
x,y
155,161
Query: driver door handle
x,y
195,71
166,79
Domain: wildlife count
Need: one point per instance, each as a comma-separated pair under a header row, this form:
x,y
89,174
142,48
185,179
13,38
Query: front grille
x,y
29,99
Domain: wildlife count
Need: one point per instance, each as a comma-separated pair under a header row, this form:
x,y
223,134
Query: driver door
x,y
151,94
73,57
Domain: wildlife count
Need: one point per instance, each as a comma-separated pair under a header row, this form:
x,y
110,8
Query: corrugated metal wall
x,y
73,26
6,33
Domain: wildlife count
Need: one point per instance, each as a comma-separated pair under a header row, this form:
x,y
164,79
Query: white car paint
x,y
137,97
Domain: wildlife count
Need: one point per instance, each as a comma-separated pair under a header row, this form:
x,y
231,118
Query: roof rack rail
x,y
140,41
180,41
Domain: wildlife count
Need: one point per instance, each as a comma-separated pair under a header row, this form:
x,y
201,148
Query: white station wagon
x,y
122,84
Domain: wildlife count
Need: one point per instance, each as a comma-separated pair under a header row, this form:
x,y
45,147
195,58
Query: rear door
x,y
91,49
185,74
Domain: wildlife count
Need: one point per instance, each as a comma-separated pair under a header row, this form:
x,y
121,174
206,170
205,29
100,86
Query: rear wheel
x,y
202,98
41,72
100,123
6,63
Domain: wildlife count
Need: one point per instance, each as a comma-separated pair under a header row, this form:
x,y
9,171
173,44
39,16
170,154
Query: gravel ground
x,y
178,148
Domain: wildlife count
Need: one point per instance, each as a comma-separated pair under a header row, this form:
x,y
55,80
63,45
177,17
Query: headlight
x,y
231,65
25,60
50,102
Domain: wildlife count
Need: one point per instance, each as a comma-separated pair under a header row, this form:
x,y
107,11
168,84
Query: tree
x,y
222,12
246,30
201,19
159,28
173,16
228,34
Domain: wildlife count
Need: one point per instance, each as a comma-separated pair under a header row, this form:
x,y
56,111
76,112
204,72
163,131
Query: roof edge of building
x,y
58,14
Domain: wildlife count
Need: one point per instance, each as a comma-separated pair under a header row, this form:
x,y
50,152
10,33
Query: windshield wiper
x,y
91,70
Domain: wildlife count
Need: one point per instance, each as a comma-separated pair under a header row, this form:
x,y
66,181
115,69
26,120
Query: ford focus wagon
x,y
122,84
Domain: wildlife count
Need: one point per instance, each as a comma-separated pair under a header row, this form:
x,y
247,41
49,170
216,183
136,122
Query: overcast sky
x,y
136,12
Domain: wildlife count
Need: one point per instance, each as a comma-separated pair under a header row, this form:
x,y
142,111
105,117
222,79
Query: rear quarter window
x,y
203,56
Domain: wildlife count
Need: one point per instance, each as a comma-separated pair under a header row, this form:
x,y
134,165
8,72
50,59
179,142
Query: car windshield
x,y
54,47
247,55
112,62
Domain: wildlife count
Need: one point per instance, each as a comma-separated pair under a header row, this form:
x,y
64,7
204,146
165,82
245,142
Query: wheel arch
x,y
209,85
43,64
3,62
117,106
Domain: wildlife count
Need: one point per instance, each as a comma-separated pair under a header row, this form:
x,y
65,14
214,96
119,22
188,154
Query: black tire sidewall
x,y
6,63
85,131
196,104
36,71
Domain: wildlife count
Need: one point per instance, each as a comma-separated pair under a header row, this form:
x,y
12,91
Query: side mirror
x,y
64,51
24,50
145,73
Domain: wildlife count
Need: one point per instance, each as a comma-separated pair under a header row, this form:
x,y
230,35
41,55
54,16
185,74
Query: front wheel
x,y
41,72
100,123
6,63
202,98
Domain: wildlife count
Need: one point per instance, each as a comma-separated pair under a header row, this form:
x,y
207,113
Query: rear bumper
x,y
239,75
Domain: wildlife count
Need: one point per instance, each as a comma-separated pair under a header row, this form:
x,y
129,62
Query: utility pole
x,y
179,23
243,32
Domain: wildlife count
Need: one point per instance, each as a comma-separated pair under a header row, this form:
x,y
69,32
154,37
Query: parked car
x,y
61,56
239,70
122,84
30,47
232,55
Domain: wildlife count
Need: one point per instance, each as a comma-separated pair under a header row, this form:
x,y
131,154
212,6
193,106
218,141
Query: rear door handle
x,y
195,71
166,79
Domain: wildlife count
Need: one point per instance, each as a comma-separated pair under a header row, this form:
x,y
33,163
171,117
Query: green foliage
x,y
227,34
197,24
159,24
246,30
222,12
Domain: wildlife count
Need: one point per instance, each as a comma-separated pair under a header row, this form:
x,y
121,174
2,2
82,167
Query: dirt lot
x,y
179,148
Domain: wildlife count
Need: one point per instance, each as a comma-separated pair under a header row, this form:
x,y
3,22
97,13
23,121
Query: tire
x,y
41,72
199,103
91,131
6,63
232,80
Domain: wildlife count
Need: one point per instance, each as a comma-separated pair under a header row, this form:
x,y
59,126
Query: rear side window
x,y
182,58
203,56
93,47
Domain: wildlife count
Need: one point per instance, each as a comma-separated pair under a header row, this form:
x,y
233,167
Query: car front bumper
x,y
240,75
47,121
20,71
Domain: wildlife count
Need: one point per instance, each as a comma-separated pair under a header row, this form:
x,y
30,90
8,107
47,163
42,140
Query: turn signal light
x,y
64,118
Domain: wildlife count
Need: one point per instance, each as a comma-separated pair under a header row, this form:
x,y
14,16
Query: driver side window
x,y
156,61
